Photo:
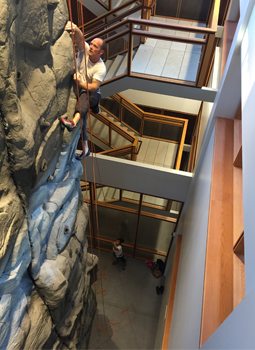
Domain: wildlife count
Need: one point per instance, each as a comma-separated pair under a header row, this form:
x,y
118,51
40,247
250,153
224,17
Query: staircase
x,y
110,133
111,136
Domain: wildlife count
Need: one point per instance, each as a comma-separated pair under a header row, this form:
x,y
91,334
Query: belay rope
x,y
92,207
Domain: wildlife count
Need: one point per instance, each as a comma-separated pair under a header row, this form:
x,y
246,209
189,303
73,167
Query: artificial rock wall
x,y
46,299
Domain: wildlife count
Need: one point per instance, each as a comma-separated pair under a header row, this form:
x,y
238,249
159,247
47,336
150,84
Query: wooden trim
x,y
162,79
208,55
134,211
168,37
179,27
152,78
149,23
146,204
214,15
140,113
218,281
238,221
194,142
181,145
237,157
170,305
228,35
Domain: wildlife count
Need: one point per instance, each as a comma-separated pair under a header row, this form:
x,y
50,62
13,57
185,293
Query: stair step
x,y
123,66
108,64
114,67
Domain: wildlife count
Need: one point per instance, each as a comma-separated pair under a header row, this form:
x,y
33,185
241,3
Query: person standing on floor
x,y
88,77
118,253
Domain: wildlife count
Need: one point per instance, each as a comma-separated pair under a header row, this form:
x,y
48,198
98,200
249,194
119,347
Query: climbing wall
x,y
46,300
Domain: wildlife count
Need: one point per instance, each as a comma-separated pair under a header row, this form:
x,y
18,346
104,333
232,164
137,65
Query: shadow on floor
x,y
101,335
127,306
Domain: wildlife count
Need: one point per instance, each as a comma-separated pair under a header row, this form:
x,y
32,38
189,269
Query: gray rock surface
x,y
46,300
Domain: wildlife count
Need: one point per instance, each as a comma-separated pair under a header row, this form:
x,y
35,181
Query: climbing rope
x,y
81,24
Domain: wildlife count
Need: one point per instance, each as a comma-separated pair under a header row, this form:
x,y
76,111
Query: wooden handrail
x,y
181,145
138,112
134,211
209,48
118,151
169,37
149,23
214,15
115,127
208,41
85,187
125,150
142,114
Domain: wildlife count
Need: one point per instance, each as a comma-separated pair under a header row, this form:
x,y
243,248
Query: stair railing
x,y
115,15
131,149
141,119
203,37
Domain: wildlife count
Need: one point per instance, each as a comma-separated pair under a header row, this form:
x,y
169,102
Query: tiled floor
x,y
128,306
169,59
156,152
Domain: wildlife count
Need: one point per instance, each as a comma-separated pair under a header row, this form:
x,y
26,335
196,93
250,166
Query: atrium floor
x,y
128,306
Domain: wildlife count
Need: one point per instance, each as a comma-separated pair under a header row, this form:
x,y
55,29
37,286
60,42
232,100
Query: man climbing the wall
x,y
90,72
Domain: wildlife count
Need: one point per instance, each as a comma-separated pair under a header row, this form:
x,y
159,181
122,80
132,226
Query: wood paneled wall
x,y
224,282
218,283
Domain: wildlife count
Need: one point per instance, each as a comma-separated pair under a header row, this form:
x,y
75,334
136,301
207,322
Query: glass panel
x,y
163,131
99,129
175,208
132,196
155,201
115,224
161,206
85,191
107,194
111,105
119,45
154,234
133,121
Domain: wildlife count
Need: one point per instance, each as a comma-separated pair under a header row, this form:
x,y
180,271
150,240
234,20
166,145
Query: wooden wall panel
x,y
229,32
218,283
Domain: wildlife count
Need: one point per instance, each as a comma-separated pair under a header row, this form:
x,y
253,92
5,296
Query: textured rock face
x,y
45,296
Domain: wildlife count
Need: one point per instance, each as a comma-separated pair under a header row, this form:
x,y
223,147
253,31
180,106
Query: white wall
x,y
237,331
248,142
193,226
138,177
161,101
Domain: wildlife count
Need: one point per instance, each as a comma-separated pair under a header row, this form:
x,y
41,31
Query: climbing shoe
x,y
82,154
69,124
95,109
